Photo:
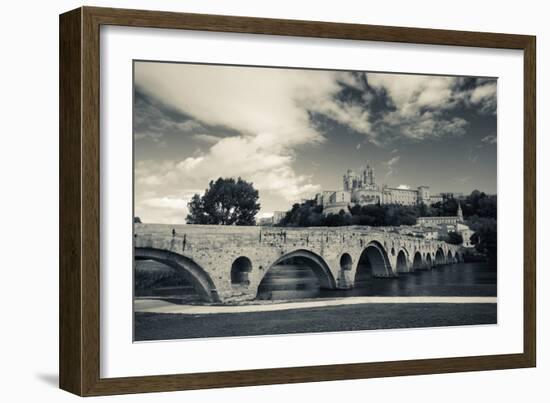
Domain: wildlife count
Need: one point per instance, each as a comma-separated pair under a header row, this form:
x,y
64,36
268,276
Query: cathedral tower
x,y
369,178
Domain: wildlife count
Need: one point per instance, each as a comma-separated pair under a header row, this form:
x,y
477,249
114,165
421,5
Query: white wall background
x,y
29,202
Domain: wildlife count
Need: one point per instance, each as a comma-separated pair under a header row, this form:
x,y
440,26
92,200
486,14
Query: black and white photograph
x,y
266,202
271,200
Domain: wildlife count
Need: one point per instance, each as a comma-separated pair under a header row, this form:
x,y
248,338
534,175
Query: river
x,y
460,279
298,282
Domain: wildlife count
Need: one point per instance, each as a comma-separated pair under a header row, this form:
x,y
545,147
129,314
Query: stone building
x,y
406,197
443,220
445,225
272,220
362,189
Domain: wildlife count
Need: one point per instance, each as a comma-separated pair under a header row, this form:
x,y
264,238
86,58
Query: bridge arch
x,y
240,270
439,257
417,261
190,270
319,267
402,262
373,262
346,262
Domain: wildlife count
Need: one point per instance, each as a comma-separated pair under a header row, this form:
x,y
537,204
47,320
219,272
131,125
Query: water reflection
x,y
156,280
461,279
289,281
297,280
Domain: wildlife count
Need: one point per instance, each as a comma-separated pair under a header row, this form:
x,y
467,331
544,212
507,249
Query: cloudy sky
x,y
293,132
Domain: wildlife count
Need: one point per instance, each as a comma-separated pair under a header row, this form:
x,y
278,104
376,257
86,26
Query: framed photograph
x,y
249,201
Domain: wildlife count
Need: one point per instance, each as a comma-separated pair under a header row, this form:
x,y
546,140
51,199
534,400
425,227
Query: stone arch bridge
x,y
228,263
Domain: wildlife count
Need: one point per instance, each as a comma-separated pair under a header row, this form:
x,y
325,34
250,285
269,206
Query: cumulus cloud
x,y
269,110
166,209
248,157
253,101
249,122
411,93
420,103
153,120
485,97
206,138
424,106
166,202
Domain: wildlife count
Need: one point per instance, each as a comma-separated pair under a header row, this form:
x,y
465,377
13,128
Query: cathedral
x,y
362,189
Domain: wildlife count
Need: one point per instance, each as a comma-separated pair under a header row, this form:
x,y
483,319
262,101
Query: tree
x,y
306,214
396,215
137,220
485,236
226,202
454,238
424,210
197,213
338,220
373,215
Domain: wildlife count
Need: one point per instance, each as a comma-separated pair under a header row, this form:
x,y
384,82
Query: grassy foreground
x,y
158,326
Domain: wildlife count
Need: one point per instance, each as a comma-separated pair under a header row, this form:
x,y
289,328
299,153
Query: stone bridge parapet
x,y
228,262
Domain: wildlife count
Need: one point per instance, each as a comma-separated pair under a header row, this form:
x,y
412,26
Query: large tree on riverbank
x,y
226,202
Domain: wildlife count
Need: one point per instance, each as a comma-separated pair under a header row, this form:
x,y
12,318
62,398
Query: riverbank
x,y
161,306
150,326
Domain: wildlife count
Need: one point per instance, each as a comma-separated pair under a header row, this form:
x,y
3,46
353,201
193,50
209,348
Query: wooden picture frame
x,y
79,346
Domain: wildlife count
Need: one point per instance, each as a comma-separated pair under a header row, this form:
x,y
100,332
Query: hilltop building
x,y
272,220
362,189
